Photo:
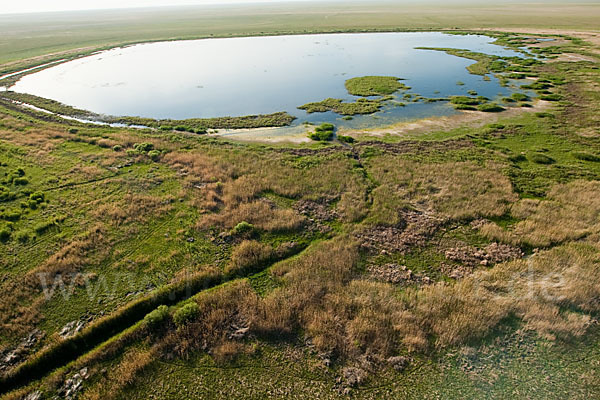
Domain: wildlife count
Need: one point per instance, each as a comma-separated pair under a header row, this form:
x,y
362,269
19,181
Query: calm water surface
x,y
261,75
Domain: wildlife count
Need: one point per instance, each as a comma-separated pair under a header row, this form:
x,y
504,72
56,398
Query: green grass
x,y
361,106
490,107
485,64
374,86
192,125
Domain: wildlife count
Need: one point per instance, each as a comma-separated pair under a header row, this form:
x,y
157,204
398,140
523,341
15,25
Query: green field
x,y
62,32
458,261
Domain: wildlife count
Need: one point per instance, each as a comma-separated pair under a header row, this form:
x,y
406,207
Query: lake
x,y
262,75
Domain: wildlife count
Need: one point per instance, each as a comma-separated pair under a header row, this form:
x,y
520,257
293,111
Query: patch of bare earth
x,y
491,254
397,274
414,231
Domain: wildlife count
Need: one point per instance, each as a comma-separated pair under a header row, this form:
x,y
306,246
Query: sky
x,y
26,6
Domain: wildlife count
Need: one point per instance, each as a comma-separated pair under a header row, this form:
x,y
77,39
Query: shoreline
x,y
297,134
464,118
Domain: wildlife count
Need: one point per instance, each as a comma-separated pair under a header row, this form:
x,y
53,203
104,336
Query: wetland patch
x,y
367,75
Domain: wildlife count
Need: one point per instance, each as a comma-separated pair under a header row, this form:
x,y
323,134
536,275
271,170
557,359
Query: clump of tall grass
x,y
249,255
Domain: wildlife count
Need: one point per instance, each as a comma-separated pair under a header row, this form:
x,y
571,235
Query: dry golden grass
x,y
238,199
542,291
133,363
133,208
457,190
571,212
247,255
309,298
198,168
221,311
227,351
554,293
259,213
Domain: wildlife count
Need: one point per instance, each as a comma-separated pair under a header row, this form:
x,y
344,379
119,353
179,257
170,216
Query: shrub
x,y
187,313
154,155
464,100
346,139
32,204
21,181
321,136
518,158
45,225
23,236
143,147
542,159
117,147
201,131
551,97
4,234
544,115
490,107
6,194
73,130
464,107
520,97
156,317
323,132
10,215
325,127
38,197
585,156
243,227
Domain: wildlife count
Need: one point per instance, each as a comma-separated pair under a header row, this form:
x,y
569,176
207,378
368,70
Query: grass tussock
x,y
249,255
222,312
133,363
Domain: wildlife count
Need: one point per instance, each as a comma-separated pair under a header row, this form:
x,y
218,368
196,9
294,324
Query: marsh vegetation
x,y
366,86
357,261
